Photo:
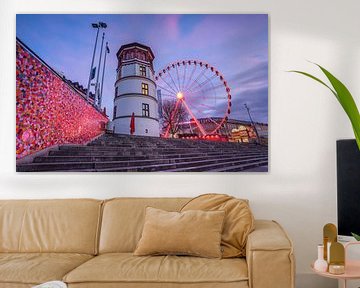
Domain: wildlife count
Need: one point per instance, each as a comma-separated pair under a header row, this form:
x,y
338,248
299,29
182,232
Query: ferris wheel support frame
x,y
192,86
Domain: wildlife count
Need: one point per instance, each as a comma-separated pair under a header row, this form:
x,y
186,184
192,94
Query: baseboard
x,y
310,280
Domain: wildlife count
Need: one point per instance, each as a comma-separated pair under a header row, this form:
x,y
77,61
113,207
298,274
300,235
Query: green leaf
x,y
315,78
344,97
356,236
347,102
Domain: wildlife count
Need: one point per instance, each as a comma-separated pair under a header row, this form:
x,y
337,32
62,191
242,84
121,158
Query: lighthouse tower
x,y
135,91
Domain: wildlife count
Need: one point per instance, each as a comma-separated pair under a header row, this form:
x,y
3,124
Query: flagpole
x,y
98,71
92,62
107,50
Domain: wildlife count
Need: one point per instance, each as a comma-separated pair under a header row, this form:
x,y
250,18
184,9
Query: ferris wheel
x,y
198,88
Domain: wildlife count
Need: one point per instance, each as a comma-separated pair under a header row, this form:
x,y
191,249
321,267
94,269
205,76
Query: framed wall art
x,y
142,93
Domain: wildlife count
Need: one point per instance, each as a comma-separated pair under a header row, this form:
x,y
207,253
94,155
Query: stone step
x,y
175,162
196,166
152,152
224,166
241,167
94,147
41,167
160,142
146,140
140,153
102,158
137,152
165,144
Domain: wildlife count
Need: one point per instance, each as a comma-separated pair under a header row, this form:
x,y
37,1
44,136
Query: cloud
x,y
235,44
256,100
251,87
256,73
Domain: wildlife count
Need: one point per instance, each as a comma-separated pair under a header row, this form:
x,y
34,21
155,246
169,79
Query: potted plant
x,y
345,99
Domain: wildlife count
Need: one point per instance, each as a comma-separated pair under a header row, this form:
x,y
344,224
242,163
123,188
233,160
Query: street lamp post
x,y
97,26
98,72
107,50
253,124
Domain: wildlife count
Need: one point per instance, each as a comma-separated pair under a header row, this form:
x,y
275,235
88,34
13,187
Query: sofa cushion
x,y
123,220
238,223
62,226
36,268
15,285
237,284
127,268
193,232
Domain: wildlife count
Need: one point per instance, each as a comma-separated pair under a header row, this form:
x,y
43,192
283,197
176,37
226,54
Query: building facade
x,y
232,130
135,92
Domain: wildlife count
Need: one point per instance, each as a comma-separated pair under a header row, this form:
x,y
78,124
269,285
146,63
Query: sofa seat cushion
x,y
127,268
242,284
36,268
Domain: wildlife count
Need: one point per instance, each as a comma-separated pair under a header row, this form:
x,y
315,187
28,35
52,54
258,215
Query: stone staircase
x,y
124,153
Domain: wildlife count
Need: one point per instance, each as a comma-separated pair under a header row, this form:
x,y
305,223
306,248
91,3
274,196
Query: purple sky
x,y
237,45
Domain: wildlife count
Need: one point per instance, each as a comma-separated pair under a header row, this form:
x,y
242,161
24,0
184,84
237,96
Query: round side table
x,y
352,269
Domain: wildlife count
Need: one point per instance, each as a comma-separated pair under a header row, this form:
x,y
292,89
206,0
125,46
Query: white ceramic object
x,y
320,264
51,284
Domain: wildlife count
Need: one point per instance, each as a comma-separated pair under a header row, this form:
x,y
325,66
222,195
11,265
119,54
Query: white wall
x,y
305,120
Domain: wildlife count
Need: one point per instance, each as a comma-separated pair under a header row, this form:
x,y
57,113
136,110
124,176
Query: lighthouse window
x,y
116,91
144,88
142,70
114,114
145,110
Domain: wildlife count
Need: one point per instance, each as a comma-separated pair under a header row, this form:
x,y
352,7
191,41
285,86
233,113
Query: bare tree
x,y
174,113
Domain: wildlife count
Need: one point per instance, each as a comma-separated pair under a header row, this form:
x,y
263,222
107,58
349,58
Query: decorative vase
x,y
320,264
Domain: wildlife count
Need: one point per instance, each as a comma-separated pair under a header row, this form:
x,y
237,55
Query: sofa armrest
x,y
269,256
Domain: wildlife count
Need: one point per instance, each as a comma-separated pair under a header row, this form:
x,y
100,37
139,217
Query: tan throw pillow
x,y
239,220
196,233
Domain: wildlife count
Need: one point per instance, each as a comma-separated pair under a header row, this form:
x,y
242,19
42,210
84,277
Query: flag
x,y
93,70
107,49
132,124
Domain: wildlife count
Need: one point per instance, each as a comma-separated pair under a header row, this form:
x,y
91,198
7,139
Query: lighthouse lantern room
x,y
135,91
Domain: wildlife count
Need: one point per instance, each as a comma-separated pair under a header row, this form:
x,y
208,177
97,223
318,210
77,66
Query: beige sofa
x,y
89,243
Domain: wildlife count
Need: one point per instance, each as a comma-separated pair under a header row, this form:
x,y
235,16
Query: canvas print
x,y
142,93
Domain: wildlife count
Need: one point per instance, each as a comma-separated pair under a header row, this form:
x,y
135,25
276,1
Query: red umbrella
x,y
132,124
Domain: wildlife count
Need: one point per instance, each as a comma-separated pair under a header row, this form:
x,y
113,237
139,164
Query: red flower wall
x,y
48,110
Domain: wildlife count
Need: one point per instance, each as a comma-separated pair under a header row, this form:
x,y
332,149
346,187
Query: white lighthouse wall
x,y
133,85
128,70
143,126
126,105
134,69
130,99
